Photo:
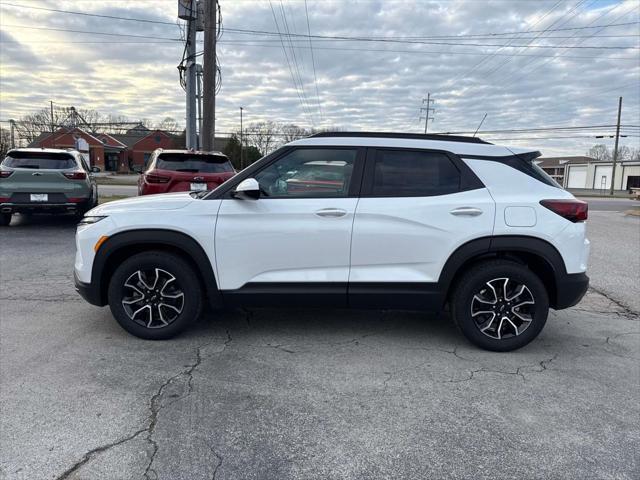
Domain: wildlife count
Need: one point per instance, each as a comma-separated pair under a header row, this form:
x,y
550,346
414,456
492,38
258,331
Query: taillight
x,y
573,210
75,175
151,178
5,173
4,199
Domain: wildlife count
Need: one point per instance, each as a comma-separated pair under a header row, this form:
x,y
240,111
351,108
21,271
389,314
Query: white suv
x,y
364,220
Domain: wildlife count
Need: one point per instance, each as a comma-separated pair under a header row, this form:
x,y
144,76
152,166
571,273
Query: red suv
x,y
184,170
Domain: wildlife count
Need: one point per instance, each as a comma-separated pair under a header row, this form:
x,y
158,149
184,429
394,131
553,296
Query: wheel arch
x,y
125,244
537,254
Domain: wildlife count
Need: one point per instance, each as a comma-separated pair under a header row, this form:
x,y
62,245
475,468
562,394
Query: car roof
x,y
190,152
70,151
433,142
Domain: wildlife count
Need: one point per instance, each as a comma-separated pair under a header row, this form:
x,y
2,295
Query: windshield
x,y
40,160
196,162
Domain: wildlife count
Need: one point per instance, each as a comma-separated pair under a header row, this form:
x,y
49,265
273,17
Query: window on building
x,y
407,173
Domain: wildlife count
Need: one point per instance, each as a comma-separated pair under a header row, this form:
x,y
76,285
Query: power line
x,y
295,61
413,42
489,34
92,32
313,61
357,39
284,50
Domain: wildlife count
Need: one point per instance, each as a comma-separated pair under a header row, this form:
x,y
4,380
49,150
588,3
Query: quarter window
x,y
408,173
309,172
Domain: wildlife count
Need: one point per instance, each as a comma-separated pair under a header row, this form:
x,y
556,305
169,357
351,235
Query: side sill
x,y
406,296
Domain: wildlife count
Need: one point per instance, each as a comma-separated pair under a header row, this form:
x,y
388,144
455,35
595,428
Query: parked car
x,y
184,170
34,180
410,222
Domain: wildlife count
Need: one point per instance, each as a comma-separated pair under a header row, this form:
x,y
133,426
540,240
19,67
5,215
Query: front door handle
x,y
331,212
466,211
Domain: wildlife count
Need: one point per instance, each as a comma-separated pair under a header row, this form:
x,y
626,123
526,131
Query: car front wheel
x,y
500,305
155,295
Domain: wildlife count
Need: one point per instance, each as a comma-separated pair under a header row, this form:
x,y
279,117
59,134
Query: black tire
x,y
5,219
91,203
473,290
185,282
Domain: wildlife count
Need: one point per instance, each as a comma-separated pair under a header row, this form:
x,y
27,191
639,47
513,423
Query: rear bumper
x,y
71,207
88,292
570,290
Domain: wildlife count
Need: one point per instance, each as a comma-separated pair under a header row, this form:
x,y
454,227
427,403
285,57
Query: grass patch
x,y
635,211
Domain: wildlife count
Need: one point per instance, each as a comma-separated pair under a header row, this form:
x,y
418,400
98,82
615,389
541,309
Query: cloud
x,y
360,85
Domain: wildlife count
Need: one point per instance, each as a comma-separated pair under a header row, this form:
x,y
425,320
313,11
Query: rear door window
x,y
412,173
40,160
194,163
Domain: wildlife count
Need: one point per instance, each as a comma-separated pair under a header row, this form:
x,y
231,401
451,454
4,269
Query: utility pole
x,y
199,96
190,73
241,142
52,124
615,148
210,71
428,109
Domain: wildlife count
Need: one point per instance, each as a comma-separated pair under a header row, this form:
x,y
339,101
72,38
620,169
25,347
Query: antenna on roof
x,y
481,122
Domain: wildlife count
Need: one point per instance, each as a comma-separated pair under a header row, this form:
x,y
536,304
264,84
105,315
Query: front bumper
x,y
88,292
570,290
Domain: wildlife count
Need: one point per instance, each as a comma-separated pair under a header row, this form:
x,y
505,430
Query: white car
x,y
363,220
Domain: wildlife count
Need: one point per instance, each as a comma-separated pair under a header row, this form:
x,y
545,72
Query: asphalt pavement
x,y
117,190
311,394
599,204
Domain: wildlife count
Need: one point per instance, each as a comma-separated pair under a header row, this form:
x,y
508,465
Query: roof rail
x,y
413,136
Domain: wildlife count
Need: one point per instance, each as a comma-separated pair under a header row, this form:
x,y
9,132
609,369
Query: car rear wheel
x,y
155,295
500,305
5,219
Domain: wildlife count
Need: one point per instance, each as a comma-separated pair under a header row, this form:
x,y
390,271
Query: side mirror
x,y
137,168
95,170
248,189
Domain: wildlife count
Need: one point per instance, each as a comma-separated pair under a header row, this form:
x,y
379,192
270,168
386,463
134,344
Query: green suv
x,y
47,180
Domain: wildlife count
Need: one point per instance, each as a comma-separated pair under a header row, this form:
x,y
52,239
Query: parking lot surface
x,y
304,394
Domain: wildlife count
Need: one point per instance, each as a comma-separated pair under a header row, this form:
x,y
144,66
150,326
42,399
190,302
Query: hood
x,y
164,201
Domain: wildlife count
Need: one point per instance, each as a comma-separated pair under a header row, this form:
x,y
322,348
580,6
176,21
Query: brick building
x,y
111,152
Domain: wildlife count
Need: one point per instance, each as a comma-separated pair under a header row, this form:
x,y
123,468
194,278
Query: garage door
x,y
577,177
603,176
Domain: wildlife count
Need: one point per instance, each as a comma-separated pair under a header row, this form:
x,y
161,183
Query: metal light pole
x,y
241,142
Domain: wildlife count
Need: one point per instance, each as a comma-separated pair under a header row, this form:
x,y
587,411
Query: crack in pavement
x,y
519,370
155,406
627,312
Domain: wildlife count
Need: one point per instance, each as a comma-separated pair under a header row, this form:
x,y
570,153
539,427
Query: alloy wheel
x,y
152,298
503,308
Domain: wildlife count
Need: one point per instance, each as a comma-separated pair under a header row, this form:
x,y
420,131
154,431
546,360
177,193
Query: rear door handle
x,y
466,211
331,212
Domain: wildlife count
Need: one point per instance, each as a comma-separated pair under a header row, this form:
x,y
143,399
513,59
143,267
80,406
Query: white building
x,y
586,173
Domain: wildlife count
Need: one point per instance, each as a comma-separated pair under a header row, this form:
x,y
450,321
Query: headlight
x,y
90,220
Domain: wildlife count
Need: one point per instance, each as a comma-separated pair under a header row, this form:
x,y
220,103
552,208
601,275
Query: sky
x,y
470,55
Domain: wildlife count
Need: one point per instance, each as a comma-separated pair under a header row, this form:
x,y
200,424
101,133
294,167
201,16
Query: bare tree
x,y
600,152
624,153
168,124
293,132
5,142
263,136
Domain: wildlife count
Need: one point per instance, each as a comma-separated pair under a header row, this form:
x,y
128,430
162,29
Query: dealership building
x,y
586,173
